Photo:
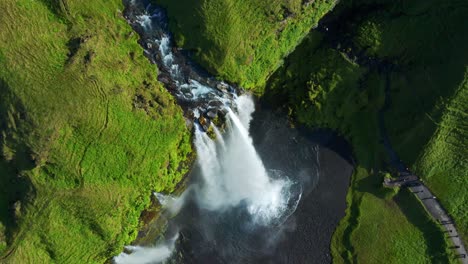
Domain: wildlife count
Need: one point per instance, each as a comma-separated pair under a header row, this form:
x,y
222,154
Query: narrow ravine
x,y
405,177
237,208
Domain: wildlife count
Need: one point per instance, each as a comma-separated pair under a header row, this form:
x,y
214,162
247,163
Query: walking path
x,y
407,179
413,182
434,208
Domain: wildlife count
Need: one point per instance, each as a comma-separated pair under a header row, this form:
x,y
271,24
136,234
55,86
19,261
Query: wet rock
x,y
164,79
222,87
215,104
191,114
204,123
222,112
189,123
172,88
188,95
211,114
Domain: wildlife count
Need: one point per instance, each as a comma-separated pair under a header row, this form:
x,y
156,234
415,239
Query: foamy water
x,y
232,173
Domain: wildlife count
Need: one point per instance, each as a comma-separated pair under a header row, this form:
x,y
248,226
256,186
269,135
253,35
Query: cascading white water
x,y
147,255
235,174
165,50
219,137
145,21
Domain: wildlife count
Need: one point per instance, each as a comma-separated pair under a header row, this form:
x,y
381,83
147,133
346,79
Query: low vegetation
x,y
338,79
242,41
373,64
339,93
80,152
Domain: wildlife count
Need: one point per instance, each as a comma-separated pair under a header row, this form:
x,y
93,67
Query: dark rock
x,y
204,123
191,114
172,87
188,95
222,112
222,87
211,114
164,79
215,104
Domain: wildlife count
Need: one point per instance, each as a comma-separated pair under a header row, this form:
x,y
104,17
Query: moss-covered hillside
x,y
410,54
86,132
242,41
337,78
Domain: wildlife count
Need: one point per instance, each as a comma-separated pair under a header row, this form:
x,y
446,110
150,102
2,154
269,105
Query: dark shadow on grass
x,y
417,215
353,222
58,7
15,157
373,184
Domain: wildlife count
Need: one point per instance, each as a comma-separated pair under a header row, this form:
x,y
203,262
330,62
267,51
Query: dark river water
x,y
320,161
268,194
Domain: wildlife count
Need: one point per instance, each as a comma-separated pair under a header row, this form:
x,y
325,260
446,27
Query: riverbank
x,y
337,79
304,157
80,154
242,41
323,204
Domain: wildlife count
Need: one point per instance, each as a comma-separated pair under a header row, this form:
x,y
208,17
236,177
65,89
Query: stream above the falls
x,y
261,191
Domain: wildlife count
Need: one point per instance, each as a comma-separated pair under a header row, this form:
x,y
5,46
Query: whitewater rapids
x,y
233,172
233,176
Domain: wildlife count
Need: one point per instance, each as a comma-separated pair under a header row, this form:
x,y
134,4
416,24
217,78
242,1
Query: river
x,y
261,191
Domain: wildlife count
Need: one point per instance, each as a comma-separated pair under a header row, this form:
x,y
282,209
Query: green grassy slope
x,y
426,121
322,87
428,125
86,132
416,48
444,164
242,41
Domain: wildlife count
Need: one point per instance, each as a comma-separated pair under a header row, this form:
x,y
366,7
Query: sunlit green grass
x,y
88,158
444,163
242,41
339,94
427,123
322,87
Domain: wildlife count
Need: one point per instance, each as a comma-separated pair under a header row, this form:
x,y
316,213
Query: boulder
x,y
223,87
211,114
204,123
164,79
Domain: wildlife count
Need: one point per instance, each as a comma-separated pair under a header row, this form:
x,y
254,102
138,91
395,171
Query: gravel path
x,y
434,208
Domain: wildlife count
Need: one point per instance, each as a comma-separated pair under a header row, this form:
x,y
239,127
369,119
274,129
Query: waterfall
x,y
147,255
232,173
235,174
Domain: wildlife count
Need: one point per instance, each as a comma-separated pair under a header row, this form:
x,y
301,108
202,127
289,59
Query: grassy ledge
x,y
242,41
86,132
337,79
